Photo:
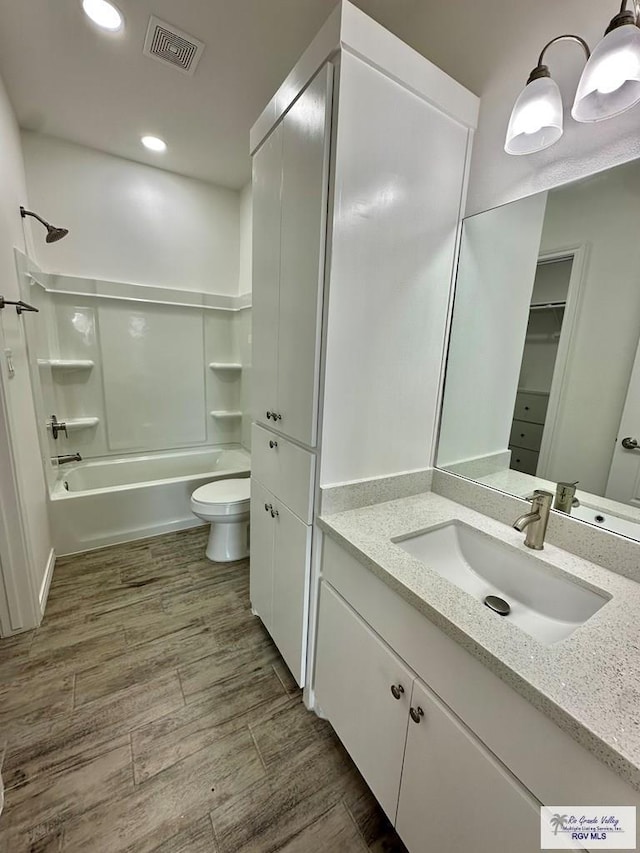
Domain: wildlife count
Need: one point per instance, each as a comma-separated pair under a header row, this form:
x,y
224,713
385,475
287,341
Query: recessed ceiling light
x,y
104,14
154,143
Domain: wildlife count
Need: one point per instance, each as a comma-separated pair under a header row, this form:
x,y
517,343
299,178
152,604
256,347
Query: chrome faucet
x,y
566,497
68,457
536,520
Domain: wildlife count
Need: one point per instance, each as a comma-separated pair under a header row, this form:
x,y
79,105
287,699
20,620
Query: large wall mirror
x,y
543,372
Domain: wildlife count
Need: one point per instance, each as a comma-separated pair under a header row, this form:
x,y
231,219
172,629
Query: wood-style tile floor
x,y
151,712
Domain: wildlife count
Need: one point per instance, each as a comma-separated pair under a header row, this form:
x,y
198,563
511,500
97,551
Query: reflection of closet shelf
x,y
225,415
548,306
225,365
66,363
73,424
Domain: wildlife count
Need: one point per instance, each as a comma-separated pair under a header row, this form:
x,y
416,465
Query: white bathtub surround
x,y
225,506
587,684
612,551
104,366
343,496
112,500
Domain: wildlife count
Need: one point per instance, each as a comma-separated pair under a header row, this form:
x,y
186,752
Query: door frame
x,y
19,599
579,253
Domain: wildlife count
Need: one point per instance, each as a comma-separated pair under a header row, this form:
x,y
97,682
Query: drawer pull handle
x,y
397,690
268,508
274,512
273,444
416,714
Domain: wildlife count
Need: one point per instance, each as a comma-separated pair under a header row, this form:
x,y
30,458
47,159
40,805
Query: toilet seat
x,y
223,492
222,498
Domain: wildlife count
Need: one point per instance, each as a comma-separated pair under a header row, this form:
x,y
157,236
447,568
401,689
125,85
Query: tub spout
x,y
66,458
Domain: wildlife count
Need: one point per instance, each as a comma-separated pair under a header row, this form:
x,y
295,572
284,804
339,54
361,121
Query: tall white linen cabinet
x,y
359,172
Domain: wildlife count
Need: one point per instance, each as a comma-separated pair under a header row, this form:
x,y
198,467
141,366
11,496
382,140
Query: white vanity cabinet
x,y
436,782
290,185
365,690
469,772
454,794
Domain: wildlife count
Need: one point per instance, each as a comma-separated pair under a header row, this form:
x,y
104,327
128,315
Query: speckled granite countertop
x,y
588,683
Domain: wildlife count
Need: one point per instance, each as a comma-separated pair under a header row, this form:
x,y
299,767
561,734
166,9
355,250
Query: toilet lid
x,y
224,492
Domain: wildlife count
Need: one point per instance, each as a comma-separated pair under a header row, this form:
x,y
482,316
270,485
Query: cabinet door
x,y
266,190
285,469
455,795
355,672
261,559
291,570
305,158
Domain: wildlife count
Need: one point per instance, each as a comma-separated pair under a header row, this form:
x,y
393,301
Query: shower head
x,y
53,234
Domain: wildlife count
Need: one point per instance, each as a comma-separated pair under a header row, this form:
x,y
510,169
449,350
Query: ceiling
x,y
67,79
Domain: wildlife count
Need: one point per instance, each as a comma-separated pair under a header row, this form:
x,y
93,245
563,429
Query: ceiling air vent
x,y
169,44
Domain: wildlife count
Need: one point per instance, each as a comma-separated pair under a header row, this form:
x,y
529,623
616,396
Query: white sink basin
x,y
545,605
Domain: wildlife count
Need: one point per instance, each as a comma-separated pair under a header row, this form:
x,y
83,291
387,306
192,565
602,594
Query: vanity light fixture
x,y
610,82
104,14
536,118
154,143
609,85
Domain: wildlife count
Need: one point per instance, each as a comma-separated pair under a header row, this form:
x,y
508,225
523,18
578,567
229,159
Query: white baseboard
x,y
46,581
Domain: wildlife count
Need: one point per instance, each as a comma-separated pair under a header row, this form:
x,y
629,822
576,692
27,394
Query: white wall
x,y
497,268
129,222
497,177
246,220
18,435
601,214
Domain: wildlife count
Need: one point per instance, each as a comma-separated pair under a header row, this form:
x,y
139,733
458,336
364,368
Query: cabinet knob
x,y
276,416
274,512
397,690
269,414
268,508
273,444
416,714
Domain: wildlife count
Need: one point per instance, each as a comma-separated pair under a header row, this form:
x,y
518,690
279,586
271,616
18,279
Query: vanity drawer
x,y
524,460
531,407
526,435
285,469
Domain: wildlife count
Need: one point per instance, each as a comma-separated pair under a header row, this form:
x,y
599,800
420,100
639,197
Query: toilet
x,y
225,504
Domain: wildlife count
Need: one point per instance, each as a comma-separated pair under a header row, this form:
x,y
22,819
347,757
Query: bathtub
x,y
109,500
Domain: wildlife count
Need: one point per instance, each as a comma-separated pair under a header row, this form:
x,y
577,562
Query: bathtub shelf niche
x,y
66,363
225,415
225,365
74,424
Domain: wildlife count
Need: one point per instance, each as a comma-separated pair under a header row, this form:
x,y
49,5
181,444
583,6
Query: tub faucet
x,y
68,457
536,520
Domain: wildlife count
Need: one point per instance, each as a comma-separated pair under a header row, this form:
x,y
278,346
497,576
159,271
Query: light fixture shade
x,y
610,82
536,118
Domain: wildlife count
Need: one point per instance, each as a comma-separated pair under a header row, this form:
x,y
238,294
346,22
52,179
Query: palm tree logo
x,y
557,821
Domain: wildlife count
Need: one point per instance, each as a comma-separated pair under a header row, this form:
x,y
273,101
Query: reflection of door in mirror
x,y
539,361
